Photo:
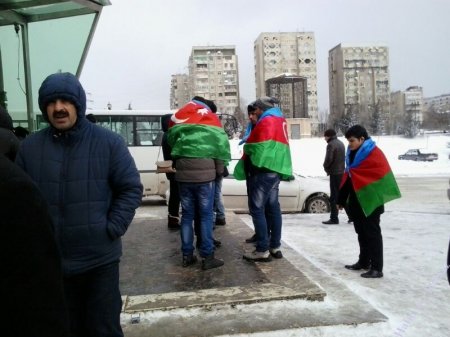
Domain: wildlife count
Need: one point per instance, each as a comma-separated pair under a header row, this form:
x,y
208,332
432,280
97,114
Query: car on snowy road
x,y
417,155
301,194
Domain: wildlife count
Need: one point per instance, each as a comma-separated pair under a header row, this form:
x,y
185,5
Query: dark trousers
x,y
94,302
335,181
370,240
174,199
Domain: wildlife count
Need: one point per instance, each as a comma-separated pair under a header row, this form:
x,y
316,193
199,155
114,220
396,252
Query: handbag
x,y
164,166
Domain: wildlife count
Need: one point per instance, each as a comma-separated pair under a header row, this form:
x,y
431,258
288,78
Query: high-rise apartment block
x,y
179,91
288,54
359,83
213,74
406,109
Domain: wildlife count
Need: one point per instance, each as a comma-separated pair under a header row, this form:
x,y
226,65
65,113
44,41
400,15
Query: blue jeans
x,y
94,302
219,209
200,197
265,209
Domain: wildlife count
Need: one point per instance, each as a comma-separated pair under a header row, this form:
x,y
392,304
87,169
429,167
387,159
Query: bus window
x,y
148,130
122,125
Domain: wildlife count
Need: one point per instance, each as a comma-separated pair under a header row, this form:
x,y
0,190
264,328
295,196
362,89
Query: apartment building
x,y
440,103
359,84
406,108
179,90
213,74
287,53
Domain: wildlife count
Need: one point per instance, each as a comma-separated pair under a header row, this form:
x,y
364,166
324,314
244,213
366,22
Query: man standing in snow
x,y
368,183
266,160
334,165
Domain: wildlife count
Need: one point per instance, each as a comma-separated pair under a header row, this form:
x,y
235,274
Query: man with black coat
x,y
334,166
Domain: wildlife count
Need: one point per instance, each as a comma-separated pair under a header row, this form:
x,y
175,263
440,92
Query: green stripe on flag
x,y
378,193
199,141
272,155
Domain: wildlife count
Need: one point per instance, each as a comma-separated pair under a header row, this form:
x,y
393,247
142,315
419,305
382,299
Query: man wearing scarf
x,y
368,183
200,148
266,160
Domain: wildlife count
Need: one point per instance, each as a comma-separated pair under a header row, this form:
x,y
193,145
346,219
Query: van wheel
x,y
317,204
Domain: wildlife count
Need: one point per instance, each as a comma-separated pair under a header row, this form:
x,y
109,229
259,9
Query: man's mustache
x,y
59,114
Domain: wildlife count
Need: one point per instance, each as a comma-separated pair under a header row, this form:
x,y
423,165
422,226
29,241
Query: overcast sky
x,y
139,44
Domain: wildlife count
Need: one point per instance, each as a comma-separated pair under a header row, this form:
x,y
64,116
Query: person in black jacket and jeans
x,y
334,166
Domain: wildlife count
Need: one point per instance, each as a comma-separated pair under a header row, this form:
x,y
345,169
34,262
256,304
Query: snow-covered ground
x,y
308,154
414,293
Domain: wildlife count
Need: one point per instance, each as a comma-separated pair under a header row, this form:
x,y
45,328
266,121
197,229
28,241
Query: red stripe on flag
x,y
372,169
193,113
269,128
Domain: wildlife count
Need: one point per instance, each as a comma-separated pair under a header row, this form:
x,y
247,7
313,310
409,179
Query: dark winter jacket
x,y
92,186
31,285
335,157
88,178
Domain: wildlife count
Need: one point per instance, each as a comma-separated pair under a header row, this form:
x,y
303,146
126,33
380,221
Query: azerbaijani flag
x,y
268,146
372,177
196,132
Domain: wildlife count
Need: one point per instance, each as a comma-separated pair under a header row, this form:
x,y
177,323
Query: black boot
x,y
189,260
211,262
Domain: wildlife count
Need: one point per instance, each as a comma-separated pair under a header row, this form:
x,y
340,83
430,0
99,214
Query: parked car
x,y
302,194
417,155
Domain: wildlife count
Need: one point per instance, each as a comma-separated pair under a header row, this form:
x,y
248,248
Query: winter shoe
x,y
330,222
357,266
211,262
372,273
220,222
173,222
276,253
258,256
189,260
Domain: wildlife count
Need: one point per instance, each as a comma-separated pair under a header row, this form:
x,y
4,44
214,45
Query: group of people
x,y
69,192
199,148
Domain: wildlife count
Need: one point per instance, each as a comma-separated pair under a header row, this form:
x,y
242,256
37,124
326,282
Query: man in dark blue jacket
x,y
93,188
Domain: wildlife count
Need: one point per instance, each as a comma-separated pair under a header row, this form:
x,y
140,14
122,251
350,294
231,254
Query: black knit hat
x,y
265,103
329,133
62,86
211,105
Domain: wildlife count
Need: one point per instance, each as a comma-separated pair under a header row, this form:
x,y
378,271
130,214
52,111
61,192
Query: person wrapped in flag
x,y
266,160
200,148
368,183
